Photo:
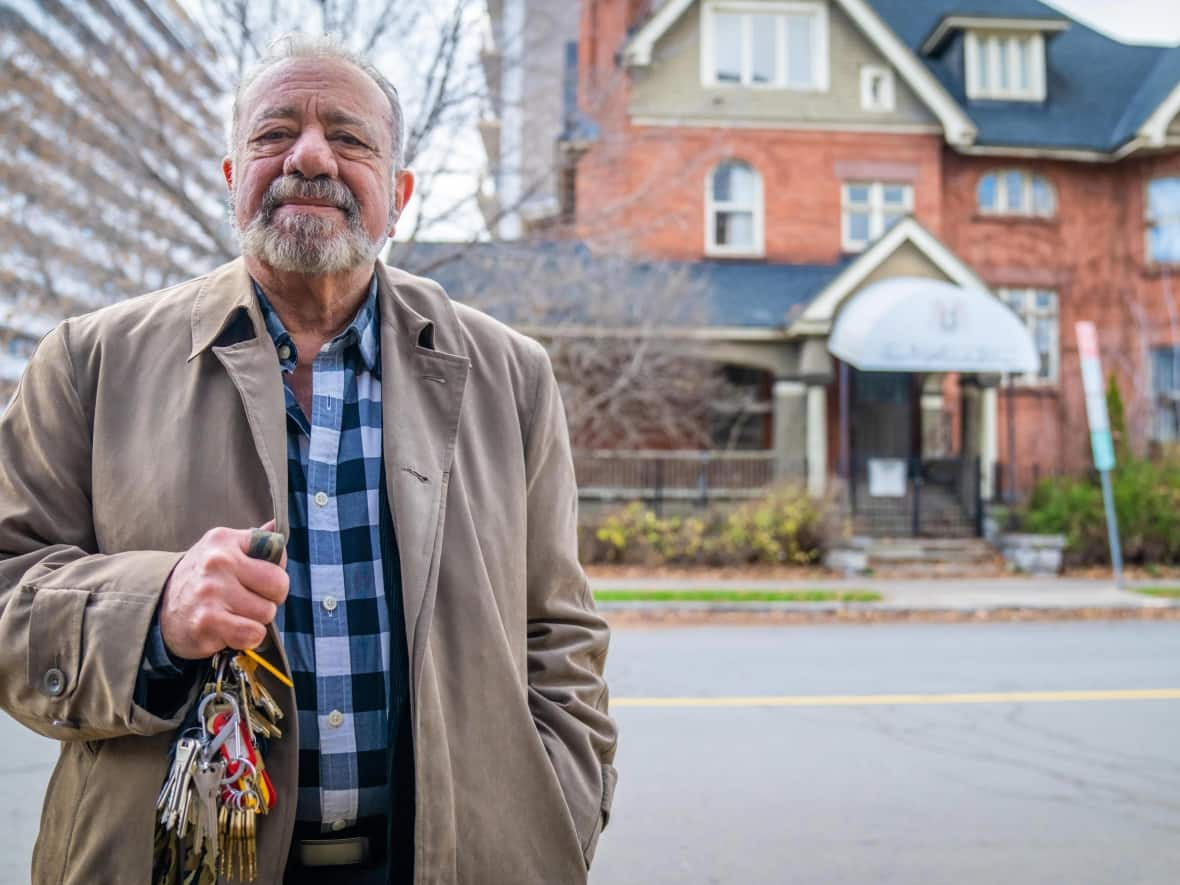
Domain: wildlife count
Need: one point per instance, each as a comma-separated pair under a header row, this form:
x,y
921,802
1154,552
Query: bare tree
x,y
623,336
114,123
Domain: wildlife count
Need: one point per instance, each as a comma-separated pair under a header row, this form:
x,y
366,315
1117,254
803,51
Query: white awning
x,y
912,324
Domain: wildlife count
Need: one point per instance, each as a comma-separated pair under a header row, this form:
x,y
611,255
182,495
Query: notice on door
x,y
887,477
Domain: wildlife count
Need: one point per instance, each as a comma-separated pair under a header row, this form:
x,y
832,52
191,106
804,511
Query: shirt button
x,y
321,498
329,603
338,825
335,719
284,352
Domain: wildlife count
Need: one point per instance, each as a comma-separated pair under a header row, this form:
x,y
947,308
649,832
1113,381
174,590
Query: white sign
x,y
887,477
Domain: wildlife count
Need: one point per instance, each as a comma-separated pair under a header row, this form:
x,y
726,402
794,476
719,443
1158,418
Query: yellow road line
x,y
892,700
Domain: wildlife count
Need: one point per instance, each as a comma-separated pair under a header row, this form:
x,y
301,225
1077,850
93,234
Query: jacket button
x,y
54,682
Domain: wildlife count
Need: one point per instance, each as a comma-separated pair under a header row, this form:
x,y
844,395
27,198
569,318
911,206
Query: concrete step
x,y
932,557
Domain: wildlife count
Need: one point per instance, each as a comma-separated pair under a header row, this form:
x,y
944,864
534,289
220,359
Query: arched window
x,y
733,206
1015,192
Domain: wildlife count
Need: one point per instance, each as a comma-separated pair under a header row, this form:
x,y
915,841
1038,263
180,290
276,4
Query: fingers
x,y
265,579
239,633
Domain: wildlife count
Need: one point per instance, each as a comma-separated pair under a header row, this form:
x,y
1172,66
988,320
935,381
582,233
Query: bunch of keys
x,y
218,784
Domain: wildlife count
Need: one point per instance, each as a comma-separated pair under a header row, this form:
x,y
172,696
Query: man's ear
x,y
403,189
227,169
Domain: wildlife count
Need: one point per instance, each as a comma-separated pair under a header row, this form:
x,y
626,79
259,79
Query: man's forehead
x,y
343,92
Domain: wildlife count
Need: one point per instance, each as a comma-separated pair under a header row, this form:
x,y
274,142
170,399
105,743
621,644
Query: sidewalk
x,y
966,597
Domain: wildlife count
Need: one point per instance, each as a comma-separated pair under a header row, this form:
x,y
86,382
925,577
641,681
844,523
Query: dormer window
x,y
1005,66
773,45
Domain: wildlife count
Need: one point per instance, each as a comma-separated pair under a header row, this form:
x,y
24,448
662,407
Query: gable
x,y
908,249
957,127
671,87
907,261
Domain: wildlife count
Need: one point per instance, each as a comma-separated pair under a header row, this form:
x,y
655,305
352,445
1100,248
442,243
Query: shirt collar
x,y
363,331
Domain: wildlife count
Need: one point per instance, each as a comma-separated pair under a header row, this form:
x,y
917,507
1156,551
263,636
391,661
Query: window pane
x,y
1164,243
723,183
985,68
1163,198
1014,191
765,39
742,182
895,195
1015,299
735,229
1023,49
727,39
1043,202
892,218
1043,334
858,227
1007,49
987,193
799,66
858,194
1165,363
1046,301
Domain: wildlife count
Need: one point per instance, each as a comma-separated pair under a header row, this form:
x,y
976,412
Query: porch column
x,y
790,429
817,439
988,444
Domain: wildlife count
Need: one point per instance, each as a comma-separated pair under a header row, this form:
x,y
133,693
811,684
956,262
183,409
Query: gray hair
x,y
297,45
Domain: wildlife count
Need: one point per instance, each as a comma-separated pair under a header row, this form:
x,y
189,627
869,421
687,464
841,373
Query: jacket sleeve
x,y
73,621
567,639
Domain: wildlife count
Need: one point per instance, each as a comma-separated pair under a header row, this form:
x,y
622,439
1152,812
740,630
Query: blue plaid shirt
x,y
335,623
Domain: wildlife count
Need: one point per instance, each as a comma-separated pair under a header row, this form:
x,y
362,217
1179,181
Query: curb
x,y
691,614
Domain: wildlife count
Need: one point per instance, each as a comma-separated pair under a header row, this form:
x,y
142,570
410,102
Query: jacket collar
x,y
228,291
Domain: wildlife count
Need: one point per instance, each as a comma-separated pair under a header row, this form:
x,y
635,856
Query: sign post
x,y
1101,441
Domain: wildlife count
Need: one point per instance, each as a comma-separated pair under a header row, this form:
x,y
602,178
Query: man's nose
x,y
311,156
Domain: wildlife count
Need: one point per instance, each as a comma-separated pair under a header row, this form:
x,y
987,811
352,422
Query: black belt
x,y
359,847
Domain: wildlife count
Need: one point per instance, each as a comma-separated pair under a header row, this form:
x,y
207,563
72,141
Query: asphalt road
x,y
915,790
923,792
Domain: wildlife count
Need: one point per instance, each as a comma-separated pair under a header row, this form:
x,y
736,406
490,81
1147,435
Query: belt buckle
x,y
334,852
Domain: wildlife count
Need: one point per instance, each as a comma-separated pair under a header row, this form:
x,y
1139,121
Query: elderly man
x,y
448,719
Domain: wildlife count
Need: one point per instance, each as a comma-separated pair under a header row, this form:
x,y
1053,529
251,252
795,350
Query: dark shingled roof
x,y
540,284
1100,91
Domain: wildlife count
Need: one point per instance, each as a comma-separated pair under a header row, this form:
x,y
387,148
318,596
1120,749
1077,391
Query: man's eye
x,y
273,135
350,140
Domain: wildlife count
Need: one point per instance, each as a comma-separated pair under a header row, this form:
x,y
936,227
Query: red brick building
x,y
999,148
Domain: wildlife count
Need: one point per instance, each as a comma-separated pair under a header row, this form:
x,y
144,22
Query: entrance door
x,y
895,490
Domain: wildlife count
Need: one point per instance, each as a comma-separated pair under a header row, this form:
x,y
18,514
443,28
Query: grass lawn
x,y
1163,592
735,596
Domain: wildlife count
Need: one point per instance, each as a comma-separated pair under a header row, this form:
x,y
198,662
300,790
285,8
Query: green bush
x,y
1147,503
784,527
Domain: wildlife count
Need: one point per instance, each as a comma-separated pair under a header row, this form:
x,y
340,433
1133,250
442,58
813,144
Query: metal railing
x,y
697,477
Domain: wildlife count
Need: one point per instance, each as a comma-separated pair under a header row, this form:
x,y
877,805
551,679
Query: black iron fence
x,y
693,478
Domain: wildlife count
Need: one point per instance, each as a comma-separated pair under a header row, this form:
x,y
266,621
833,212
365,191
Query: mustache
x,y
294,187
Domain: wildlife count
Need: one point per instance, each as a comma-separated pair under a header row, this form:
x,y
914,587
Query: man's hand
x,y
218,597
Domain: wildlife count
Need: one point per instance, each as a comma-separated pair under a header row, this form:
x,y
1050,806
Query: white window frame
x,y
1029,313
757,249
1151,223
876,211
1004,206
820,77
888,90
978,42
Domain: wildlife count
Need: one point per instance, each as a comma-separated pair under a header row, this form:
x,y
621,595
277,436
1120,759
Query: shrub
x,y
1147,505
783,527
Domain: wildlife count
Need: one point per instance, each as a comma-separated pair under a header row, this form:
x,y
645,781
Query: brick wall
x,y
642,190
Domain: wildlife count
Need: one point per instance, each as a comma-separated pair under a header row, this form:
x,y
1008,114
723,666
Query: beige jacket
x,y
137,428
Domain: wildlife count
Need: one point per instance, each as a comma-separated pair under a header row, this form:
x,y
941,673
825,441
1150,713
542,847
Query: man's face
x,y
311,189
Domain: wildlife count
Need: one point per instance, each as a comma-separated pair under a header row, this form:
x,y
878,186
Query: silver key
x,y
172,799
206,786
